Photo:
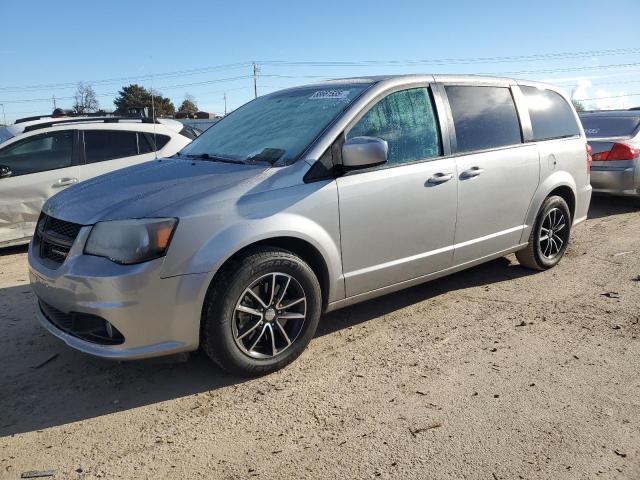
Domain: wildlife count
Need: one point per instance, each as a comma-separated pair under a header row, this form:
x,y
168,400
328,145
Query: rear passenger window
x,y
148,140
190,132
100,145
483,117
407,121
551,115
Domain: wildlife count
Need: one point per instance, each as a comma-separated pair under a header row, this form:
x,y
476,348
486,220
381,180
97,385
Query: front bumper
x,y
615,181
156,316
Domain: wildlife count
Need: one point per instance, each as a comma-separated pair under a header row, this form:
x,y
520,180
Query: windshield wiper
x,y
268,155
214,158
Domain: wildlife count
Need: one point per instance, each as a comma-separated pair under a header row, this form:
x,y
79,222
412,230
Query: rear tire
x,y
549,236
254,321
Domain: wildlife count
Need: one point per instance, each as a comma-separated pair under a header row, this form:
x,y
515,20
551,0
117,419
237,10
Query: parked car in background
x,y
43,156
614,137
308,200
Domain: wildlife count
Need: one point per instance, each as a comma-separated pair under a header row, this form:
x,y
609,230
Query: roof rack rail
x,y
72,120
29,119
60,113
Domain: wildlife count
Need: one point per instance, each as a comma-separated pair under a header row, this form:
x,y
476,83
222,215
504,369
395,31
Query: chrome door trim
x,y
399,261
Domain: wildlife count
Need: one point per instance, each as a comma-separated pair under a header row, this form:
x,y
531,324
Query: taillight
x,y
619,151
589,158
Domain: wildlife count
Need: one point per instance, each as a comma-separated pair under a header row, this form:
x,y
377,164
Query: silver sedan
x,y
614,137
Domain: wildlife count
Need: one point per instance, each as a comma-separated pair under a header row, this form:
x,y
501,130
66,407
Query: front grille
x,y
62,228
87,327
54,238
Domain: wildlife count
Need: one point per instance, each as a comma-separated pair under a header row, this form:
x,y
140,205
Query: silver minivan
x,y
304,201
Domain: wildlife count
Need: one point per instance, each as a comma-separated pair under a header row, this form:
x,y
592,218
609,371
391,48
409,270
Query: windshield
x,y
275,128
5,134
609,126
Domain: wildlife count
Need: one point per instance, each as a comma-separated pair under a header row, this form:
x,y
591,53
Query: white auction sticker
x,y
330,95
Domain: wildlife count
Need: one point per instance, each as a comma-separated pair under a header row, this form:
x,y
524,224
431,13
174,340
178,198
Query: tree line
x,y
132,97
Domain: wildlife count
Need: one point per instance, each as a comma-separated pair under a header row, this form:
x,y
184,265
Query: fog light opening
x,y
109,329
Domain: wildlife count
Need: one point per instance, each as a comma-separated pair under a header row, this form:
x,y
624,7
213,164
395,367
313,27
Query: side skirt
x,y
416,281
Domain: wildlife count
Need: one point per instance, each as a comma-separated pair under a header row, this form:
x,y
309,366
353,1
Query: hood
x,y
141,190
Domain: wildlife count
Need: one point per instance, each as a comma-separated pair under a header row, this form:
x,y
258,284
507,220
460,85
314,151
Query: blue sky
x,y
206,48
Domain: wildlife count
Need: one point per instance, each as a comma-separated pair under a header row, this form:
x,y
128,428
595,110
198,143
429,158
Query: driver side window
x,y
407,121
39,153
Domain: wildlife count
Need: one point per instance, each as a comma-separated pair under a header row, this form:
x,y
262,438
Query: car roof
x,y
441,78
106,122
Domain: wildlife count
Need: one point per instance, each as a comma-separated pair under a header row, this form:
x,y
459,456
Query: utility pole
x,y
225,104
255,80
54,102
4,115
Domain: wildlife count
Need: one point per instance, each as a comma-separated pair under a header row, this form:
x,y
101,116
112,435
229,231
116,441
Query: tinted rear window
x,y
103,145
148,140
483,117
551,115
601,126
190,132
5,134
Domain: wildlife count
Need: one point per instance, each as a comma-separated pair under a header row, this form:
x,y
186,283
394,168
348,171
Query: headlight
x,y
131,241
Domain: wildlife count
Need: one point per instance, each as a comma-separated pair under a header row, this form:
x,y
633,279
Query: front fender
x,y
309,213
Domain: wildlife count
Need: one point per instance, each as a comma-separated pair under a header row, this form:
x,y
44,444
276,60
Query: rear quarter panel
x,y
562,164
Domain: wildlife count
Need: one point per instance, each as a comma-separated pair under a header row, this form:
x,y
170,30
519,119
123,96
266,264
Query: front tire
x,y
549,236
261,312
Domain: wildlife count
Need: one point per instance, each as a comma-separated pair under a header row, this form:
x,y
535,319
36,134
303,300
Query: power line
x,y
463,61
607,98
597,84
569,69
238,65
177,73
221,80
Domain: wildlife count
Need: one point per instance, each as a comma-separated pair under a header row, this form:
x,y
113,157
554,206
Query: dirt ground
x,y
493,373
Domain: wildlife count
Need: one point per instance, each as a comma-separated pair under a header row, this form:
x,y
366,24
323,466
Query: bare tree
x,y
85,100
578,105
189,104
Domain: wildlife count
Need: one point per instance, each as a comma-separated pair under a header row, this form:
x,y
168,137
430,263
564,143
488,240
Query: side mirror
x,y
5,171
363,152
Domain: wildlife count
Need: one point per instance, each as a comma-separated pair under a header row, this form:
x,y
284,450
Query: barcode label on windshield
x,y
330,95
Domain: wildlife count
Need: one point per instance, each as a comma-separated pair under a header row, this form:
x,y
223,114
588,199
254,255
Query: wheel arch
x,y
299,247
568,195
560,183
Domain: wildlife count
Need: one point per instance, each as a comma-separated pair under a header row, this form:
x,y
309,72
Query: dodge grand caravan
x,y
304,201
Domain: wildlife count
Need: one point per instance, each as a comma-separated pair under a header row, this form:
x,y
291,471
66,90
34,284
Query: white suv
x,y
39,157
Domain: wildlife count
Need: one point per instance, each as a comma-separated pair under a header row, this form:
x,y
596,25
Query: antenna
x,y
153,118
256,70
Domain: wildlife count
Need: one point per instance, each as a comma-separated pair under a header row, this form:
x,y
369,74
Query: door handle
x,y
440,178
472,172
63,182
